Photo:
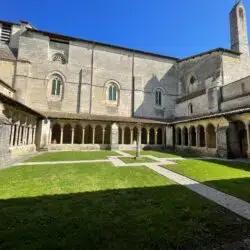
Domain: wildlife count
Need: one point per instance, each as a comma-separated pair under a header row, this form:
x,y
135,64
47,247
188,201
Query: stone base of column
x,y
114,147
248,154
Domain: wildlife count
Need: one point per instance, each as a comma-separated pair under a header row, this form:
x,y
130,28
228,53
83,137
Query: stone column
x,y
24,135
156,133
50,134
189,138
131,135
123,131
16,137
72,134
61,138
114,137
83,134
20,139
93,138
103,134
248,137
30,135
197,136
148,134
139,134
12,134
34,137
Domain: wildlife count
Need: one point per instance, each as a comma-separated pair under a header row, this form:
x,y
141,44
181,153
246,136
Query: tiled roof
x,y
84,116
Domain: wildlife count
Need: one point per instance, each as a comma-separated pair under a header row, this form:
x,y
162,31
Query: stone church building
x,y
65,93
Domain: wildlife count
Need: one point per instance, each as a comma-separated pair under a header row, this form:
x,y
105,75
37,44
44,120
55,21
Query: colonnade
x,y
96,133
22,134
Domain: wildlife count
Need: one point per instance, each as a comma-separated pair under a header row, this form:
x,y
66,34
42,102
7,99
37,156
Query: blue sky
x,y
177,28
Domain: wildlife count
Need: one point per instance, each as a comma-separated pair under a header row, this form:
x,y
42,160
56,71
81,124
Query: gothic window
x,y
112,92
158,98
190,109
58,57
55,87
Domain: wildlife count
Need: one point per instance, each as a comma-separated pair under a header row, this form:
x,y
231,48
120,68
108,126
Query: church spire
x,y
238,27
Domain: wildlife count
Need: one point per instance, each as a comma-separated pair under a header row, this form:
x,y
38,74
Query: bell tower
x,y
238,29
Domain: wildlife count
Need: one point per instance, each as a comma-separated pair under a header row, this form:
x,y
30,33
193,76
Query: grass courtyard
x,y
99,206
229,177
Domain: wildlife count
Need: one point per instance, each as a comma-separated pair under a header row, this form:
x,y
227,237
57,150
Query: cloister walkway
x,y
236,205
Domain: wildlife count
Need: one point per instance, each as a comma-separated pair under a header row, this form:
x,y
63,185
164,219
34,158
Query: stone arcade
x,y
64,93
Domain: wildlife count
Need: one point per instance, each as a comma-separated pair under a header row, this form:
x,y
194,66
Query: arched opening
x,y
107,135
67,134
127,136
159,136
143,136
88,134
120,136
178,136
238,139
193,136
56,134
151,136
78,134
211,136
185,136
135,133
202,136
98,134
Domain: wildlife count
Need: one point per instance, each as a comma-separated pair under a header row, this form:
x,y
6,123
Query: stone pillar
x,y
93,135
197,136
20,139
30,135
169,136
139,134
248,137
12,134
61,138
83,134
16,137
148,134
222,143
50,134
131,135
156,134
114,140
24,135
103,134
34,138
189,138
123,131
72,134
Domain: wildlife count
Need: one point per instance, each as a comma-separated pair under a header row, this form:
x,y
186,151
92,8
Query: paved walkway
x,y
232,203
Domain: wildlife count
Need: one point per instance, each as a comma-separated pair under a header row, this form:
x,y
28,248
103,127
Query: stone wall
x,y
87,69
5,155
7,70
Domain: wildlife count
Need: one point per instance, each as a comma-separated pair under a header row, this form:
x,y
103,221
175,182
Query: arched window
x,y
58,57
190,109
56,88
158,98
192,80
113,92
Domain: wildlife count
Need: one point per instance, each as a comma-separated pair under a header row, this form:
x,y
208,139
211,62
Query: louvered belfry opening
x,y
5,33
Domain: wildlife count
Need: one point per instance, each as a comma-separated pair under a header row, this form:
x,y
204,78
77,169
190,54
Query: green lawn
x,y
163,154
72,156
133,160
230,177
98,206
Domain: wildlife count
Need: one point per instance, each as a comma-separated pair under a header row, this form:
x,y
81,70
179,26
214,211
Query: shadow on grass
x,y
165,217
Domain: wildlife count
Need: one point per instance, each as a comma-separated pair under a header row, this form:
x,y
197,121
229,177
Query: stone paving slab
x,y
232,203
